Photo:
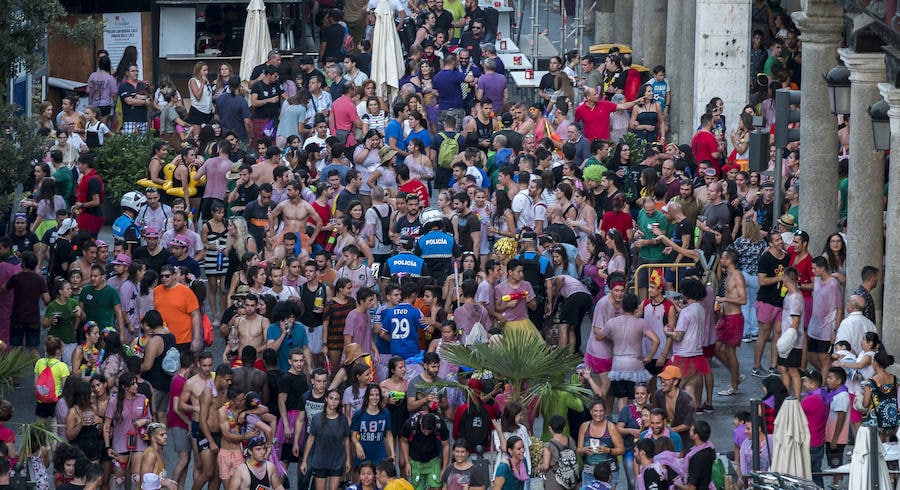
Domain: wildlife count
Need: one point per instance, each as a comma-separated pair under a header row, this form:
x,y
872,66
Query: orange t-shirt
x,y
176,305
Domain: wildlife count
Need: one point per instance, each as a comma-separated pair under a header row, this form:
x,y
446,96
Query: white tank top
x,y
204,103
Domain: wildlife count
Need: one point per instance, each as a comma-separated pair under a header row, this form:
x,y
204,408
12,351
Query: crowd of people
x,y
337,242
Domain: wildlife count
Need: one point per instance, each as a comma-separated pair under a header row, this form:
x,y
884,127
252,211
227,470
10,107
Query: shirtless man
x,y
294,213
85,262
211,437
257,471
231,456
730,327
246,377
252,326
189,403
263,172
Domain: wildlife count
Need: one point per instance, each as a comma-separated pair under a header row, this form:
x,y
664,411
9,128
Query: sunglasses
x,y
165,276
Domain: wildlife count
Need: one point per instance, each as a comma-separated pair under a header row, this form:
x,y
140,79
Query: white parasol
x,y
790,450
387,55
257,41
861,477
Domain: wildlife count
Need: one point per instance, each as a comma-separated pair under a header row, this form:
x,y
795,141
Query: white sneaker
x,y
729,392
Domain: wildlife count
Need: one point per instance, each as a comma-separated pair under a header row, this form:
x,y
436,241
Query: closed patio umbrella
x,y
861,474
257,42
790,451
387,55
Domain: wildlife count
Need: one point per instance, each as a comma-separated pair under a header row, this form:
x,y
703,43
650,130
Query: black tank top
x,y
159,379
255,482
485,130
309,317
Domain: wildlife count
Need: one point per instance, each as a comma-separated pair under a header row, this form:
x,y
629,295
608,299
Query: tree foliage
x,y
121,161
531,368
25,28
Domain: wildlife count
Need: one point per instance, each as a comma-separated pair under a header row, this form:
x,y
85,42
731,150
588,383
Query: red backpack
x,y
45,385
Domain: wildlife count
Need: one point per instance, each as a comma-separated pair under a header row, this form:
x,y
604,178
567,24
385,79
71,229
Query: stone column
x,y
890,277
680,22
865,215
820,25
722,56
648,40
622,24
604,22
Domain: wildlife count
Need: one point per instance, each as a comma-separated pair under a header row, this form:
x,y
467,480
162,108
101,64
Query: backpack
x,y
347,43
45,385
448,150
533,273
408,33
385,226
171,360
566,472
476,425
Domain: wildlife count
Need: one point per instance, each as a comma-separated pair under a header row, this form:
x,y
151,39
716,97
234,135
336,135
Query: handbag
x,y
208,335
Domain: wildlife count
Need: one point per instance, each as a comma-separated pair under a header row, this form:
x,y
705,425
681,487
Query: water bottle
x,y
220,259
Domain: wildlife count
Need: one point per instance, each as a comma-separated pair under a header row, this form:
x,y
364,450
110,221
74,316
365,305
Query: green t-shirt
x,y
65,329
459,11
843,186
652,253
63,178
98,305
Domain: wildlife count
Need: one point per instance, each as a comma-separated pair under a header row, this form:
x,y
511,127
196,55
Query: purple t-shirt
x,y
603,312
215,169
493,85
359,328
691,321
571,286
826,301
447,83
520,311
469,313
626,333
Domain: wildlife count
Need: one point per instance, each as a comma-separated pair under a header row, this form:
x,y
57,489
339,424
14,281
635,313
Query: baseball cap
x,y
506,119
767,184
259,440
305,60
179,241
151,232
529,236
101,244
122,259
670,372
66,226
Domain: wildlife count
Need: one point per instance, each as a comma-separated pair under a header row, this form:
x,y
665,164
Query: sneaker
x,y
729,392
773,371
741,379
699,410
760,372
748,339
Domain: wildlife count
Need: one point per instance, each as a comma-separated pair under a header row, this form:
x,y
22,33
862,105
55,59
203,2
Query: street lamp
x,y
838,80
881,125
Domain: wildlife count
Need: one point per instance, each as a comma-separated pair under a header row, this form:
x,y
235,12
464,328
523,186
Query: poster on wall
x,y
120,31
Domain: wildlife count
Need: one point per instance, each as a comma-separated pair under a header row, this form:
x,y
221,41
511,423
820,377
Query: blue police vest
x,y
405,263
436,245
120,226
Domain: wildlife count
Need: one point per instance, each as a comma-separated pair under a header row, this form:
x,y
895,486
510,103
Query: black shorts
x,y
198,118
206,206
834,457
326,473
792,360
44,410
621,388
105,110
817,346
575,308
22,334
441,177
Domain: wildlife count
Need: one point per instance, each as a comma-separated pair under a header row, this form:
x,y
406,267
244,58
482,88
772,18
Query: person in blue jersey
x,y
403,323
125,230
371,429
405,263
435,246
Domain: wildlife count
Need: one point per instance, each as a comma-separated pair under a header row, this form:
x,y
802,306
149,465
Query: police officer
x,y
125,230
405,263
435,246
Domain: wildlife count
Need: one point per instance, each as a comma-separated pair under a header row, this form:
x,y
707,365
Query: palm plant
x,y
522,360
13,364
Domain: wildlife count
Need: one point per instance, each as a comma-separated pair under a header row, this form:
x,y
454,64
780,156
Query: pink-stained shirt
x,y
626,333
175,389
817,415
603,312
215,169
691,321
827,298
359,327
520,311
571,286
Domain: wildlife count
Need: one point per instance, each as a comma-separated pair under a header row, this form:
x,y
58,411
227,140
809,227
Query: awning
x,y
66,84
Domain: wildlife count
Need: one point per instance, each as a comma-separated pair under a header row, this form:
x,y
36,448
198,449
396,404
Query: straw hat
x,y
352,353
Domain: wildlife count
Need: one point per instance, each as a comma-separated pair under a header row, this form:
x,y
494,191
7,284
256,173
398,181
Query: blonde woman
x,y
238,243
201,91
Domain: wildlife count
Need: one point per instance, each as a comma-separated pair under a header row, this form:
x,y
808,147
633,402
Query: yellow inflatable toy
x,y
168,170
193,182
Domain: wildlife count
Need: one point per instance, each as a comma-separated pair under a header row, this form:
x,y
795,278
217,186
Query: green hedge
x,y
121,161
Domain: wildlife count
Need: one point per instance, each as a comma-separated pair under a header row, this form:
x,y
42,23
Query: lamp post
x,y
838,80
881,125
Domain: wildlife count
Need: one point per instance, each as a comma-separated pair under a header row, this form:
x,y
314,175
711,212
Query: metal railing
x,y
672,265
